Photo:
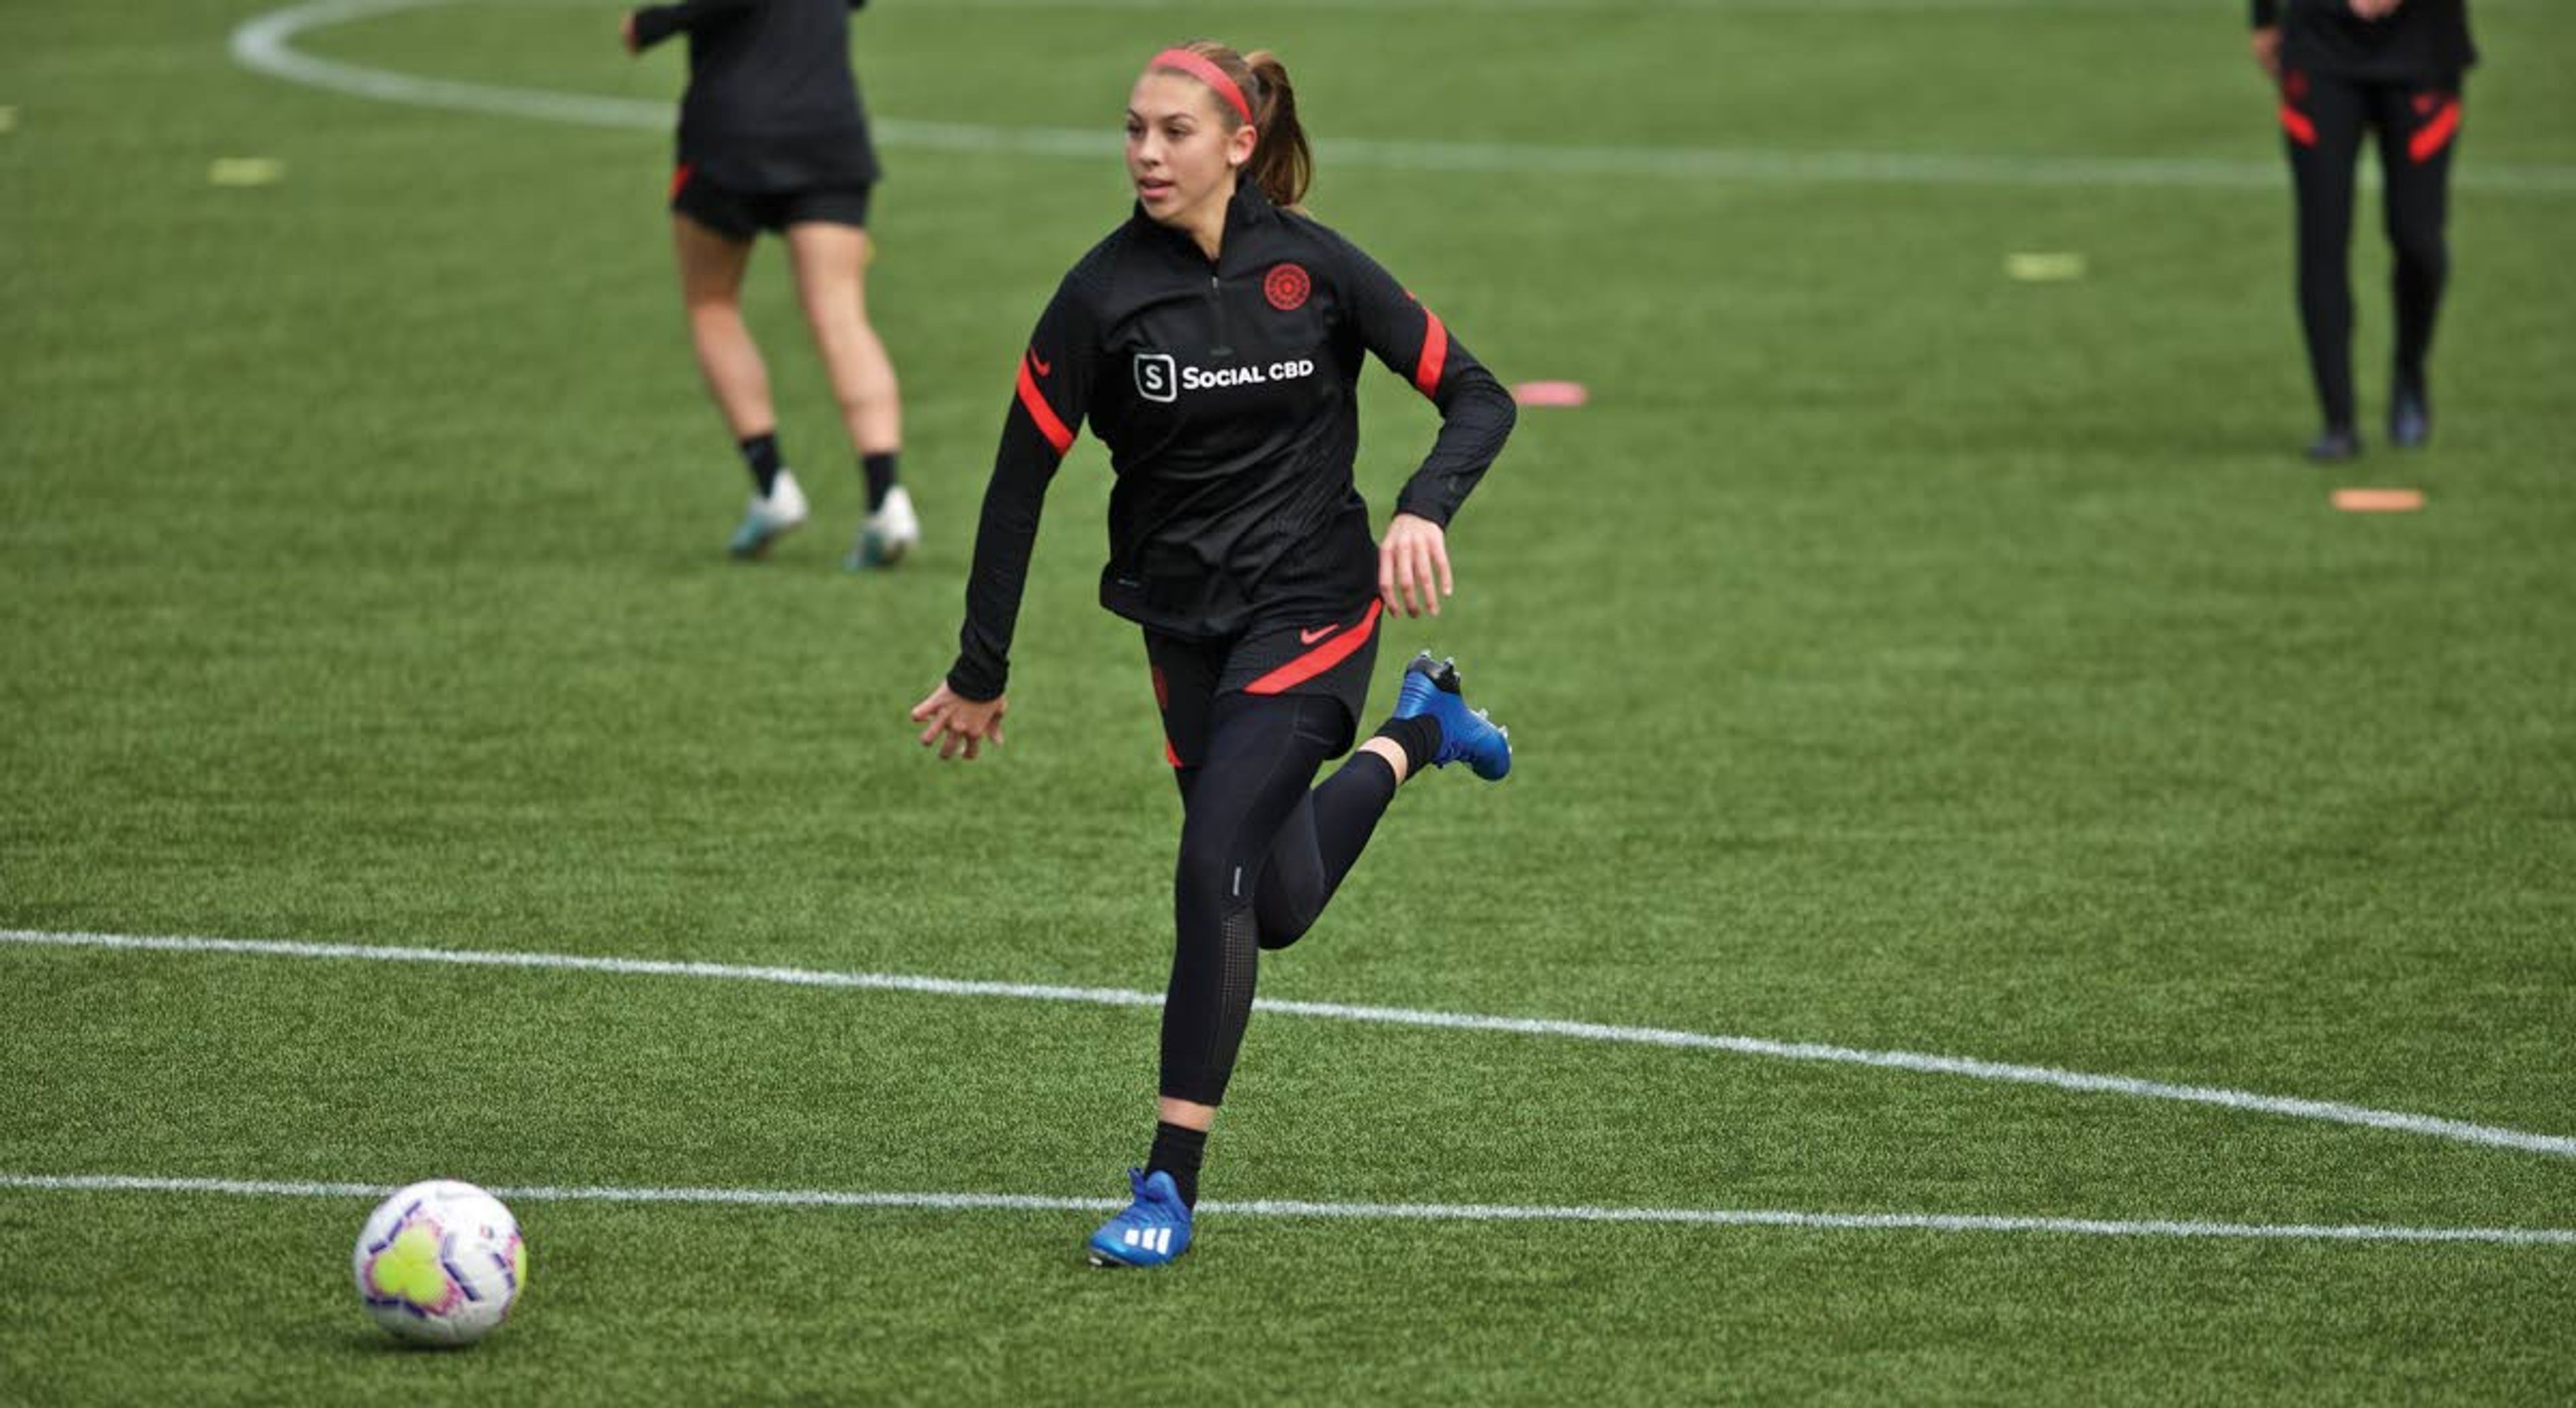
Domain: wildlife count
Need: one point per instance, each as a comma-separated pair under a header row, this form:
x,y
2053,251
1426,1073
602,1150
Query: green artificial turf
x,y
1900,656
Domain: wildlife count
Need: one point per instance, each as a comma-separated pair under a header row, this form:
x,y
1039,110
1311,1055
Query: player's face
x,y
1181,154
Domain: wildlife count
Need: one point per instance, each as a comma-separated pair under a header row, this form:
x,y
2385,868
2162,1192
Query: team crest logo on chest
x,y
1286,286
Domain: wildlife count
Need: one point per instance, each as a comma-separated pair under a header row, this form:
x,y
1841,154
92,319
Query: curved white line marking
x,y
1471,8
264,44
2328,1111
1289,1208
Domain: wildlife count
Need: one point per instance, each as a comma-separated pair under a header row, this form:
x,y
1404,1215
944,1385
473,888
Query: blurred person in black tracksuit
x,y
772,137
1214,342
2393,66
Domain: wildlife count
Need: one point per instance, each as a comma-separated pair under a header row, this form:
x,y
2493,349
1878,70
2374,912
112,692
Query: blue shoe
x,y
1153,1231
2410,420
1466,735
2337,444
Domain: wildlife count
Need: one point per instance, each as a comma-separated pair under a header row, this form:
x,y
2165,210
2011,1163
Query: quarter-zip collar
x,y
1248,208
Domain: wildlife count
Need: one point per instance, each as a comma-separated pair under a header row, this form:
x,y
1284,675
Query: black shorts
x,y
1281,652
742,215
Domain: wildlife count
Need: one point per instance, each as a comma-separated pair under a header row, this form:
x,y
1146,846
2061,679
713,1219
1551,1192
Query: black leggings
x,y
1261,855
2323,117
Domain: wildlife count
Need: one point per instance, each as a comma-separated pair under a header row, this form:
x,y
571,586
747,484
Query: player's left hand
x,y
2266,48
1413,565
959,726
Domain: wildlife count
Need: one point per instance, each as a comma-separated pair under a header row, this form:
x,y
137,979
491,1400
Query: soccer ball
x,y
440,1263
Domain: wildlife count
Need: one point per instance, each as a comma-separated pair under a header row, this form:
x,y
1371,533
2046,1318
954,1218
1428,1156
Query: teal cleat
x,y
1466,735
772,516
1153,1231
887,535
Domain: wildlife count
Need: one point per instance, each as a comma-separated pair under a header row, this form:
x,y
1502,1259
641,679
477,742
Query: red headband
x,y
1200,67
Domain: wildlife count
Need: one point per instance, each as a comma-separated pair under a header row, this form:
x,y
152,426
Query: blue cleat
x,y
1153,1231
1466,735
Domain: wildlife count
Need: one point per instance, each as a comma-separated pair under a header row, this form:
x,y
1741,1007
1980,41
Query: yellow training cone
x,y
2044,268
246,171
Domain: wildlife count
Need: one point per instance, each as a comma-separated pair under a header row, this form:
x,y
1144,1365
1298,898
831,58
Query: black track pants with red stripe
x,y
1262,852
2322,120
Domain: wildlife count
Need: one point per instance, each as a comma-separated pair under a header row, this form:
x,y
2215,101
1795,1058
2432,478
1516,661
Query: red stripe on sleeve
x,y
2429,140
1042,413
1323,657
1435,355
2297,125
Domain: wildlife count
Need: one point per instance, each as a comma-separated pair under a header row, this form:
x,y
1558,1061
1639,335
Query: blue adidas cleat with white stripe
x,y
1153,1231
1466,735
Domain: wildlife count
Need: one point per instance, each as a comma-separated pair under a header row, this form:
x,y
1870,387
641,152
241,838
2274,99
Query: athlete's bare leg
x,y
1391,753
711,269
831,281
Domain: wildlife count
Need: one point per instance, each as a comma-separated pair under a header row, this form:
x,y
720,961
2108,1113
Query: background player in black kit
x,y
1215,342
2394,66
772,137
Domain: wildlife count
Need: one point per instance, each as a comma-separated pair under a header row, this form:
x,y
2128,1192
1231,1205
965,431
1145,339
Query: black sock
x,y
880,472
1177,1149
760,455
1418,736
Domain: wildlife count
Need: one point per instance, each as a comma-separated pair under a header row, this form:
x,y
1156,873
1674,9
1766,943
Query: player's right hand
x,y
1413,565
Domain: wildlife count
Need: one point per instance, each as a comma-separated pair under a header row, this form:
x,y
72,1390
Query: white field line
x,y
1380,1212
1470,8
2328,1111
1467,9
265,44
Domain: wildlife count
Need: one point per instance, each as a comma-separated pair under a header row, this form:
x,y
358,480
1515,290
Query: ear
x,y
1239,144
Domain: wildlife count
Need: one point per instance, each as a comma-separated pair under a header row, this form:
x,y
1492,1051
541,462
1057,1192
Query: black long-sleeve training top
x,y
2423,41
1226,392
772,104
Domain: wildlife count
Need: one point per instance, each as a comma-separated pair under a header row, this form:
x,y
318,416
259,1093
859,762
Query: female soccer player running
x,y
2342,66
772,137
1215,341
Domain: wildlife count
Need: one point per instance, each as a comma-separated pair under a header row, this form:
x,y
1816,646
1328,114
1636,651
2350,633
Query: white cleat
x,y
771,516
888,533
